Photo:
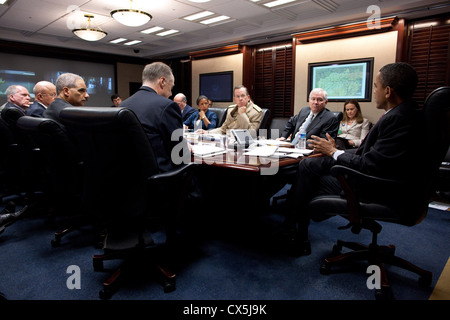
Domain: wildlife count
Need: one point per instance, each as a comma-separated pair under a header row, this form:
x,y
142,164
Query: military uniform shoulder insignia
x,y
257,108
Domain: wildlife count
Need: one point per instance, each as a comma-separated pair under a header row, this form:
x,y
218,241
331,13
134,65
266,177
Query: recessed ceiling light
x,y
198,15
277,3
151,30
118,40
132,42
166,33
214,20
199,1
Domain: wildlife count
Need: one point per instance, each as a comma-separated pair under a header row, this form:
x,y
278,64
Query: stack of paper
x,y
264,151
206,150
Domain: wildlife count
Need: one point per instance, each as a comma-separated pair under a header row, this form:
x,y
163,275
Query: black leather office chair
x,y
9,161
60,168
124,188
277,123
339,115
443,180
265,121
221,114
19,152
365,210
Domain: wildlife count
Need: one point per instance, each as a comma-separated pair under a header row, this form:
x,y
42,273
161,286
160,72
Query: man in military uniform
x,y
242,115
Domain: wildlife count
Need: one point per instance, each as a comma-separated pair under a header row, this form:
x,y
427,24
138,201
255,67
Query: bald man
x,y
44,95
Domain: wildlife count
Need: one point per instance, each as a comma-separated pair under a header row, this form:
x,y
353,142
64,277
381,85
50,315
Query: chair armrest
x,y
360,187
173,173
364,178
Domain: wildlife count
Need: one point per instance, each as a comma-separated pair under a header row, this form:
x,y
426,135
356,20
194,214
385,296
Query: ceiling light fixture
x,y
151,30
277,3
167,32
131,17
199,15
88,33
131,43
214,20
118,40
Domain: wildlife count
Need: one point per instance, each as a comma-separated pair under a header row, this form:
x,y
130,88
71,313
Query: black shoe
x,y
8,216
286,240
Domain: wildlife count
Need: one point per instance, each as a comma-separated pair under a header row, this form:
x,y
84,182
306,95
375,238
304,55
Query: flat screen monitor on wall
x,y
217,86
344,79
27,70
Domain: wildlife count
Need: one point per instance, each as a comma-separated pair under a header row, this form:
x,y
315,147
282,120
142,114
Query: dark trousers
x,y
313,179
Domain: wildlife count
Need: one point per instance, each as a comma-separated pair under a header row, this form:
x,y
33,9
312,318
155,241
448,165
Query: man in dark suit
x,y
385,152
18,97
71,91
323,121
186,110
160,117
44,95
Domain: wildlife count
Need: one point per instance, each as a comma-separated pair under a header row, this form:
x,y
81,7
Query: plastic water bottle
x,y
301,144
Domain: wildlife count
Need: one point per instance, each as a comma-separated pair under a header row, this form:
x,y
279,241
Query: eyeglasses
x,y
49,94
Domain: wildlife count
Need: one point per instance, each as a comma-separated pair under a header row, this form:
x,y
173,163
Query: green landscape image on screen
x,y
344,81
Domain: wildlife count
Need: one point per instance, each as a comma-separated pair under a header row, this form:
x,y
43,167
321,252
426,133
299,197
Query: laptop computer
x,y
243,138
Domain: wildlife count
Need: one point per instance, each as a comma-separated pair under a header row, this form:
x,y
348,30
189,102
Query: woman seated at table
x,y
202,118
353,127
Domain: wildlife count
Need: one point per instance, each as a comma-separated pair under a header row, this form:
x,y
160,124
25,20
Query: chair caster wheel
x,y
336,250
55,243
383,294
104,294
98,265
169,286
325,269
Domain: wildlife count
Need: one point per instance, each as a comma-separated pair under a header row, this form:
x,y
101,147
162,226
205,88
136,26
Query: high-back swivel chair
x,y
19,151
364,211
60,168
124,187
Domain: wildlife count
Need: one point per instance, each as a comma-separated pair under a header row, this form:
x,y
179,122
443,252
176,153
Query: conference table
x,y
243,177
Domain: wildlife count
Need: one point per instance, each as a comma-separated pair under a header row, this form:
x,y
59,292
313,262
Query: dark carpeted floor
x,y
225,259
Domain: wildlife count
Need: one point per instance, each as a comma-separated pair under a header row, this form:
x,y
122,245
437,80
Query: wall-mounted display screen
x,y
217,86
28,70
344,79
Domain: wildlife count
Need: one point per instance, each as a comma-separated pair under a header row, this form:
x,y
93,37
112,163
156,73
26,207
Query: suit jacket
x,y
187,112
355,132
388,149
210,115
160,117
36,109
10,105
55,108
324,122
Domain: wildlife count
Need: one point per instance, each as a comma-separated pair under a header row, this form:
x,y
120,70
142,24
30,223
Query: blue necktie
x,y
304,125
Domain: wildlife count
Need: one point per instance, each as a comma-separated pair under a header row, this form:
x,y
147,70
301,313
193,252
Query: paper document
x,y
273,142
264,151
295,150
206,149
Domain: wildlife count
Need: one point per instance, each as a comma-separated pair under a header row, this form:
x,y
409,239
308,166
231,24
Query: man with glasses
x,y
18,97
186,110
322,120
242,115
71,90
44,95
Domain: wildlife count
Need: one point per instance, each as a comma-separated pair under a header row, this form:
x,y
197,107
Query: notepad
x,y
273,142
264,151
295,150
206,150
